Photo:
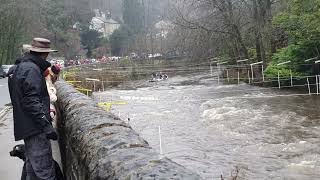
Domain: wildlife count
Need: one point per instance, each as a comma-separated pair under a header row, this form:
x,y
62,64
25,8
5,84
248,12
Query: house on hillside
x,y
110,25
104,23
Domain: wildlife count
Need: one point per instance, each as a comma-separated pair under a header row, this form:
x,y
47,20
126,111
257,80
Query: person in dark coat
x,y
31,103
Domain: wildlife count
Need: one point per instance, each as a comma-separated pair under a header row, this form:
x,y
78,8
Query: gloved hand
x,y
51,133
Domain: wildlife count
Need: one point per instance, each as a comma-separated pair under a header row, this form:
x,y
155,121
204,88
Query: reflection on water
x,y
211,129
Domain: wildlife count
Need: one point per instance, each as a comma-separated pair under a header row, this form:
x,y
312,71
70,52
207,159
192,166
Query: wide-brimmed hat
x,y
41,45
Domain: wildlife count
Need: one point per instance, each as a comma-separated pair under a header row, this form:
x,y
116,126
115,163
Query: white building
x,y
110,26
104,24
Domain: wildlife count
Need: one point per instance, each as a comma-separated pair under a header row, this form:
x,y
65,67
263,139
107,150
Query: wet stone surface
x,y
98,145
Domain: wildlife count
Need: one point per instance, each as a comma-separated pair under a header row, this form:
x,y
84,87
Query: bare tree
x,y
221,22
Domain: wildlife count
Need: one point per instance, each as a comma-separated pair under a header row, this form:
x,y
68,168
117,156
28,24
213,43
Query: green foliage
x,y
284,71
293,53
289,53
301,22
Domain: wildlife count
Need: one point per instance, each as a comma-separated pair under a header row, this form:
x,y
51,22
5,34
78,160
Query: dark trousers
x,y
39,161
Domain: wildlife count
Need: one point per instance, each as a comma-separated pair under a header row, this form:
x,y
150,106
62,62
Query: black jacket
x,y
29,97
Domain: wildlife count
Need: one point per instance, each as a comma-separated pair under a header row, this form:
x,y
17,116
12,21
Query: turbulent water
x,y
211,129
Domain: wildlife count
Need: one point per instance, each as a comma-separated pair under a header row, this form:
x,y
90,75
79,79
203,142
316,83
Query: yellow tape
x,y
82,89
73,81
108,105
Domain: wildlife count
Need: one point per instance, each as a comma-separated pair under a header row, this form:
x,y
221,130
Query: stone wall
x,y
97,145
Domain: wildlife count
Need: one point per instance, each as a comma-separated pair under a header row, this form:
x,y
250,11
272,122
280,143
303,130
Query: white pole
x,y
160,141
251,72
228,75
262,73
219,69
211,70
128,118
103,86
317,85
291,78
238,77
218,74
318,81
308,85
249,76
279,83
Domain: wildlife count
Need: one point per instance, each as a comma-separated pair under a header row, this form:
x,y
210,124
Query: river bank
x,y
100,77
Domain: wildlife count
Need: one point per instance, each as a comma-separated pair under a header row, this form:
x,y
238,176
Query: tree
x,y
300,21
20,22
11,30
216,25
119,41
90,39
263,29
133,15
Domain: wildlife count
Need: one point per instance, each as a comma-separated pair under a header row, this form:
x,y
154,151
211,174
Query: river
x,y
212,129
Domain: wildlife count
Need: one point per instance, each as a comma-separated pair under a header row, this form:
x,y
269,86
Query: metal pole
x,y
291,78
251,73
262,73
308,85
279,83
317,85
220,71
318,81
218,67
249,76
238,77
228,75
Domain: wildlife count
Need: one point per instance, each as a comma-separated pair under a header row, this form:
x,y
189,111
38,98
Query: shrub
x,y
294,53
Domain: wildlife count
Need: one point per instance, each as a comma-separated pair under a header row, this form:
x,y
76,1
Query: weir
x,y
99,145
